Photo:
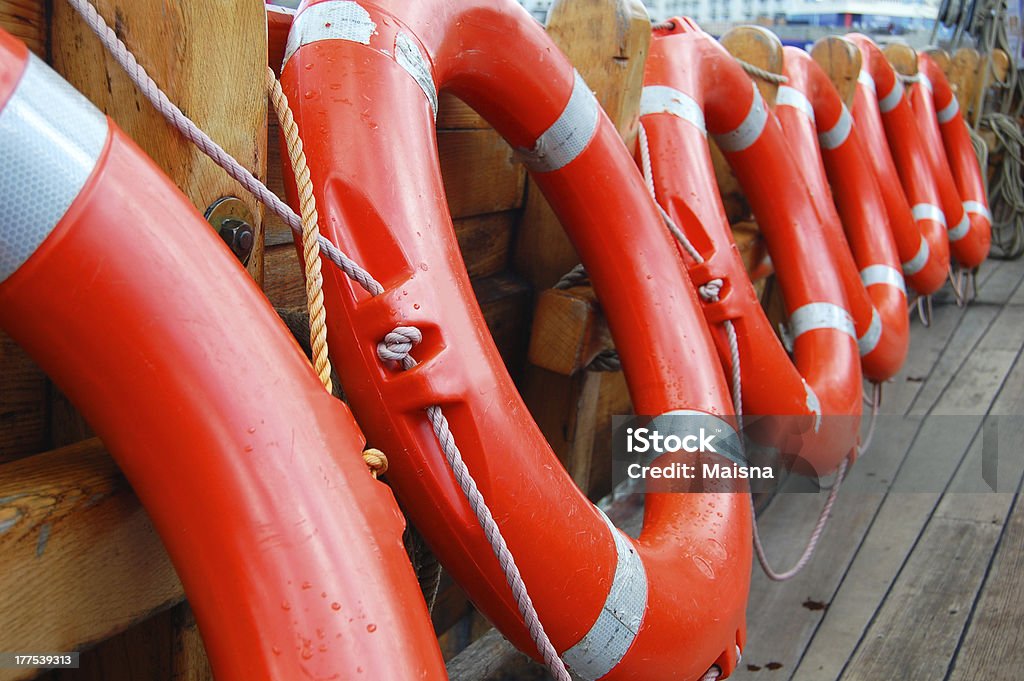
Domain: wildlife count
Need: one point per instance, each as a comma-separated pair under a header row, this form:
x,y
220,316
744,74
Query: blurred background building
x,y
794,20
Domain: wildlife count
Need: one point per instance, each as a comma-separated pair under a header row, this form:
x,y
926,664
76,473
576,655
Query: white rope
x,y
395,346
645,162
812,543
924,310
876,403
710,293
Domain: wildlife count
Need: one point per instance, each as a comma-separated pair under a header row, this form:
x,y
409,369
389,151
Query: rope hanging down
x,y
374,459
396,345
310,231
710,292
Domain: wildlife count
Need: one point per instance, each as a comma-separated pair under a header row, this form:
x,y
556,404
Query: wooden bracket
x,y
841,60
902,57
568,330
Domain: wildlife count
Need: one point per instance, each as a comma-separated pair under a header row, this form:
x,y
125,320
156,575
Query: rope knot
x,y
376,461
709,292
397,344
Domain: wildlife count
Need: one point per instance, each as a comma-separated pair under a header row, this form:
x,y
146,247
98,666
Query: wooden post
x,y
963,75
26,20
760,47
210,58
941,58
841,60
902,57
607,41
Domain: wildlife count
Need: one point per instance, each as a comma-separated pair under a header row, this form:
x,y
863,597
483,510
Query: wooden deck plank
x,y
993,645
937,353
782,618
971,326
774,640
879,559
923,614
972,389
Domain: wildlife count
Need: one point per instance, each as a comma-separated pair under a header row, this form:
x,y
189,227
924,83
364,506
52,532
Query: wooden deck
x,y
914,585
920,583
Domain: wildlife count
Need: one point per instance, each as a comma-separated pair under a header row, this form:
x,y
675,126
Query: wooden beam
x,y
79,558
486,242
454,114
23,412
492,658
480,172
215,73
26,20
505,301
568,330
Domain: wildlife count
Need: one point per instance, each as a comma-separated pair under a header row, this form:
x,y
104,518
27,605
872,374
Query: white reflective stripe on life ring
x,y
657,99
747,132
612,634
51,138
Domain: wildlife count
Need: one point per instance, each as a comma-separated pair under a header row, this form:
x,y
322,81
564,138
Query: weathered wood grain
x,y
492,658
932,466
993,646
480,172
568,330
23,411
919,625
215,76
79,559
841,60
26,20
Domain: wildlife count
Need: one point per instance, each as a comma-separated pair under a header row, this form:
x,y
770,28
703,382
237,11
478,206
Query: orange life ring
x,y
942,126
363,78
290,554
820,128
924,250
693,87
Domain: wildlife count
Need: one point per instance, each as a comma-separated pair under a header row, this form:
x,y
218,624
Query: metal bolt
x,y
233,221
238,235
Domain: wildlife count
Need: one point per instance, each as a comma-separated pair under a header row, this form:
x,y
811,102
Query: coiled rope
x,y
1006,194
396,345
